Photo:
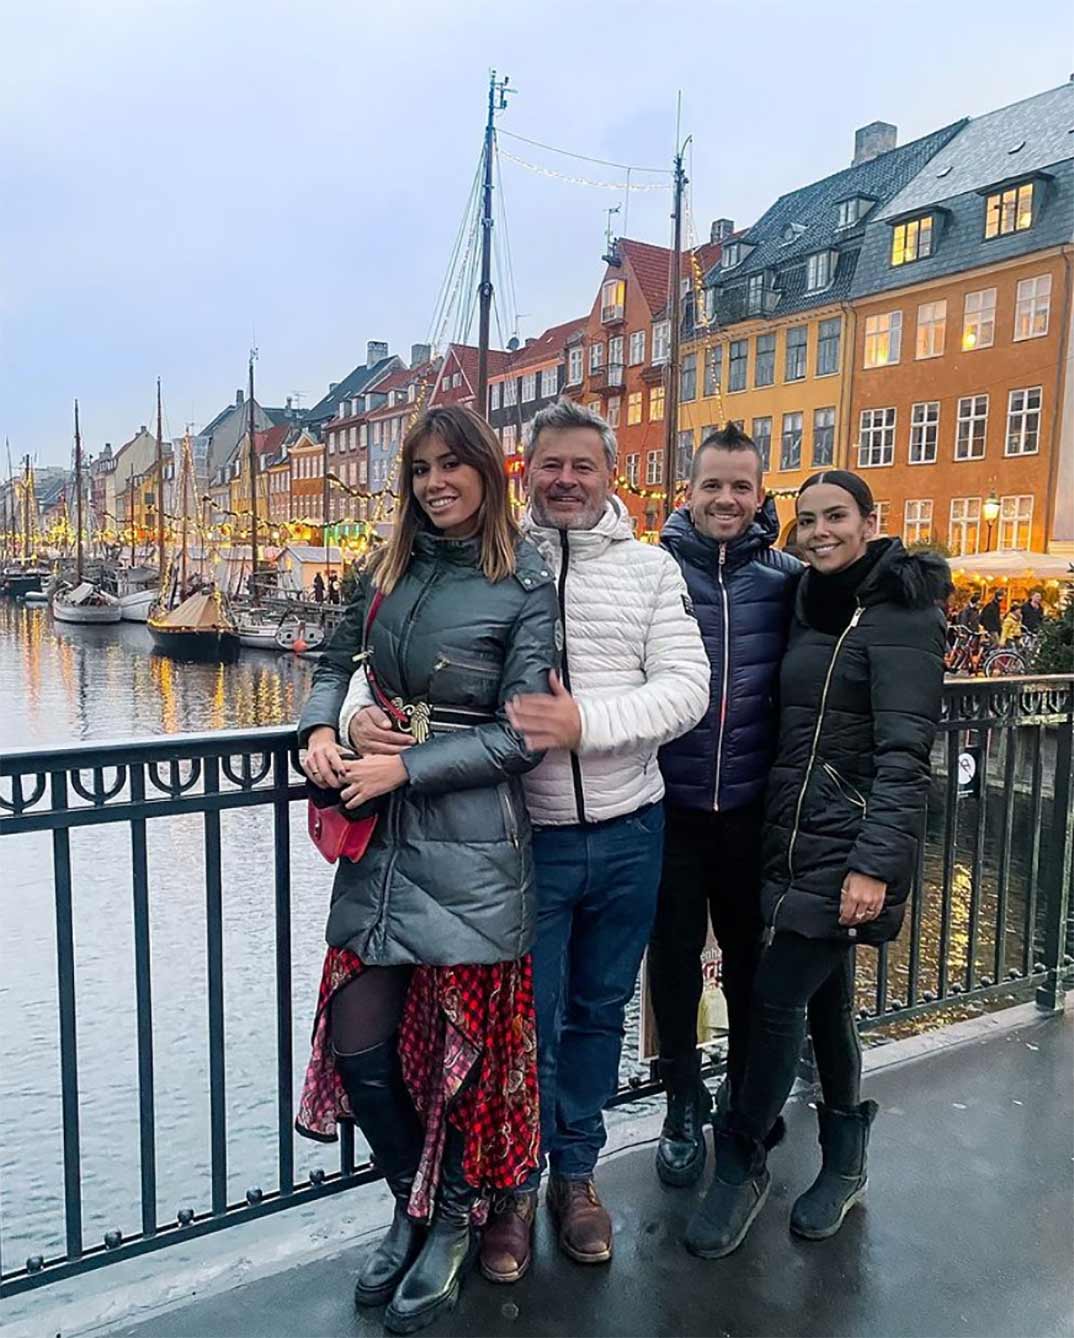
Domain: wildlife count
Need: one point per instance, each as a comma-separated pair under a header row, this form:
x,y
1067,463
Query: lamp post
x,y
990,511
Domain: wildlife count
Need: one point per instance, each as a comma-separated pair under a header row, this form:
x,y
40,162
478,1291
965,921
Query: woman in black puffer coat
x,y
860,693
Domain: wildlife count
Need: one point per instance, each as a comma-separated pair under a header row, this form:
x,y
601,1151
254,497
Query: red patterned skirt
x,y
455,1017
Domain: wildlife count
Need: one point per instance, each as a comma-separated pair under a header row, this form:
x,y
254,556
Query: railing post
x,y
1057,870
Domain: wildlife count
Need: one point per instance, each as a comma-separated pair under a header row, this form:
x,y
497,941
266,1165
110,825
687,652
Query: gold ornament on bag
x,y
417,715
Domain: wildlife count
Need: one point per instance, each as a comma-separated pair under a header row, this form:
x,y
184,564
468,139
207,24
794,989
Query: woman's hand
x,y
323,763
862,899
372,734
370,777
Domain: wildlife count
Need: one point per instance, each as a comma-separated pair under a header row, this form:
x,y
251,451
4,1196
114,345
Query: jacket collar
x,y
434,547
613,527
686,543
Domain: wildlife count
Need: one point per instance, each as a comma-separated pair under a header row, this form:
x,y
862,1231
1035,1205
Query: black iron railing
x,y
1013,930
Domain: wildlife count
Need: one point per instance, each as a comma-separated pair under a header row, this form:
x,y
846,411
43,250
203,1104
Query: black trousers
x,y
799,982
712,870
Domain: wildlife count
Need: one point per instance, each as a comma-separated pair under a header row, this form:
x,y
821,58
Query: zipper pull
x,y
857,616
723,554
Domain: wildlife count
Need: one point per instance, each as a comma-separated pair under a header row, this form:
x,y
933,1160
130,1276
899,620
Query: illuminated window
x,y
883,339
633,408
972,429
911,241
1009,210
1015,521
1033,307
876,438
762,439
964,531
979,320
824,436
917,527
764,361
924,432
1023,422
612,299
931,329
656,404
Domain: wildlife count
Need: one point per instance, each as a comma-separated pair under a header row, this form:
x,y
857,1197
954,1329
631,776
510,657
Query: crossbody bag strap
x,y
379,696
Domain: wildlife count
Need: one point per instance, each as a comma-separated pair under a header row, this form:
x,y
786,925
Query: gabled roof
x,y
465,356
268,443
544,348
361,378
652,268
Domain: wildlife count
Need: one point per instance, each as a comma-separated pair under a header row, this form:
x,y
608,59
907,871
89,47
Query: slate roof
x,y
352,384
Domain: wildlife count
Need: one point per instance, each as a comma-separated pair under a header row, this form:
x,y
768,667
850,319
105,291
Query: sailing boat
x,y
85,602
139,587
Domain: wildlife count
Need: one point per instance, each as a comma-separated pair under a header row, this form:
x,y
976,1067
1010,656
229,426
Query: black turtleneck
x,y
829,599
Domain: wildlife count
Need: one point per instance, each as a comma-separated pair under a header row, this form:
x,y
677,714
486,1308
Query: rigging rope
x,y
584,181
585,158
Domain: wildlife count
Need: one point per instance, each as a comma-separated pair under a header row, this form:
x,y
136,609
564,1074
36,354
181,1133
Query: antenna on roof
x,y
610,255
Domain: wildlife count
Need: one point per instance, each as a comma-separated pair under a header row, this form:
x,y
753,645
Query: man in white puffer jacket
x,y
634,676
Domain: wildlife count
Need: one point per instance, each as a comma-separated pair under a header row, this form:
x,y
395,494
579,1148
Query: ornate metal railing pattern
x,y
61,789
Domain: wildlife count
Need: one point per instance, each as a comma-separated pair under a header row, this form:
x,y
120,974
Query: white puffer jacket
x,y
633,661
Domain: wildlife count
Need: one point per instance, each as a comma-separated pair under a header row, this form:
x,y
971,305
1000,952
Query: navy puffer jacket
x,y
743,595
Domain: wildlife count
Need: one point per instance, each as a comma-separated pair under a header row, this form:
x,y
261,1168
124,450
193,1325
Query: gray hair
x,y
566,413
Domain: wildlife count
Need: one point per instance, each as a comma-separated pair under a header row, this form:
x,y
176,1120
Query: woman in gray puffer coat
x,y
425,1022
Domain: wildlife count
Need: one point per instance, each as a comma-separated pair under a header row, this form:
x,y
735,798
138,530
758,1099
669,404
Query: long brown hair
x,y
473,442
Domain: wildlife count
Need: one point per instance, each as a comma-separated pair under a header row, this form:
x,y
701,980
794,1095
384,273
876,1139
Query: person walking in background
x,y
635,675
318,588
333,589
425,1027
1033,612
992,615
860,692
742,591
1012,627
970,614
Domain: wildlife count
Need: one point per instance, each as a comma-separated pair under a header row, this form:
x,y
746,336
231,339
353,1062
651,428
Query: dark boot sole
x,y
687,1175
366,1299
733,1245
805,1234
414,1323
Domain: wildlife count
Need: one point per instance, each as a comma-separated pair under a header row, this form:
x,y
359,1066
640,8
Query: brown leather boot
x,y
585,1229
507,1244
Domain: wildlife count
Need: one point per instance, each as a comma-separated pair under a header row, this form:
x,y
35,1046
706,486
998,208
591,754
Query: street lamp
x,y
990,511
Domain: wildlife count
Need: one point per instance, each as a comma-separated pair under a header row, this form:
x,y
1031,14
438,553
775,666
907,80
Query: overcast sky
x,y
180,177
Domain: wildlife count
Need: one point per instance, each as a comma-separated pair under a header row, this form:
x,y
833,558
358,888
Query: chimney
x,y
420,354
872,140
240,398
376,350
332,387
531,340
143,428
721,228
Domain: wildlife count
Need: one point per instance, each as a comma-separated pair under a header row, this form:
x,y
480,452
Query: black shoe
x,y
680,1154
431,1285
844,1140
735,1197
383,1110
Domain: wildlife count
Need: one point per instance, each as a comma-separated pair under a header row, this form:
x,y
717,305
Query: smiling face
x,y
448,491
726,493
568,478
832,532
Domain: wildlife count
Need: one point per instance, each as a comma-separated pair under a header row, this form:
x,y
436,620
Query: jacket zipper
x,y
487,667
770,931
849,792
726,675
510,821
816,738
576,766
408,626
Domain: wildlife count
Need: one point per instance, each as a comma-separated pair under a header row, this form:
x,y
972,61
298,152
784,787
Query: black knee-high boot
x,y
373,1081
431,1286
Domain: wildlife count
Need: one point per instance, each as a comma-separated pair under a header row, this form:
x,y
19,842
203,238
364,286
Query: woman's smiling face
x,y
448,491
832,532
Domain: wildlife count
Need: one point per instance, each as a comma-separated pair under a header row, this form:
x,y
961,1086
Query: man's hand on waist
x,y
547,721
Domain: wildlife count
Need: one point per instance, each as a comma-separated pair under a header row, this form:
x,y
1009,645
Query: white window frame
x,y
632,468
634,408
1033,300
916,235
979,320
800,348
510,392
549,382
924,432
494,396
654,467
1023,419
614,408
822,341
1008,211
820,270
931,329
1016,510
612,303
883,512
826,409
792,426
658,392
637,347
876,437
596,355
883,335
971,444
763,440
965,519
661,342
575,365
510,439
615,360
917,520
529,387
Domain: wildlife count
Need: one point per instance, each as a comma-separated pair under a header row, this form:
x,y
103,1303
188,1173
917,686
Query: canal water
x,y
59,685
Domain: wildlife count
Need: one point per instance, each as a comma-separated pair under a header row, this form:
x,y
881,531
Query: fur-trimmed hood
x,y
914,580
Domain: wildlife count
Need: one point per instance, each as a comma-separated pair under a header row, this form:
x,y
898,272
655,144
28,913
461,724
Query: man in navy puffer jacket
x,y
742,592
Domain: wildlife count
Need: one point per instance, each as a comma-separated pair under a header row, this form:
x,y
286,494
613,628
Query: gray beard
x,y
584,520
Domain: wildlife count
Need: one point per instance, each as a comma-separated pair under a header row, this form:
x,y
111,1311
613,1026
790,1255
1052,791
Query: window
x,y
820,270
612,298
596,357
613,411
876,438
924,431
824,436
829,334
972,429
574,366
931,329
738,357
762,437
1023,422
656,404
529,387
632,467
732,255
1032,307
979,320
633,408
549,382
661,341
755,294
510,393
615,361
1009,210
883,339
850,211
911,241
964,531
790,442
688,379
764,363
883,517
713,369
1015,521
684,453
637,347
795,368
917,527
510,439
710,305
654,467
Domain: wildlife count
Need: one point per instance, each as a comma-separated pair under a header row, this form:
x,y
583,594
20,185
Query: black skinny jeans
x,y
711,869
798,978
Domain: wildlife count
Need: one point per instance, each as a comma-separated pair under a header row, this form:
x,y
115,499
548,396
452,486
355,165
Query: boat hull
x,y
207,644
259,638
19,585
135,608
85,615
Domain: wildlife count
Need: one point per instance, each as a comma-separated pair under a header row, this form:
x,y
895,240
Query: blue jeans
x,y
596,897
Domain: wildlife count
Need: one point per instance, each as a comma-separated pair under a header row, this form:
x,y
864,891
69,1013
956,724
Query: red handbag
x,y
336,835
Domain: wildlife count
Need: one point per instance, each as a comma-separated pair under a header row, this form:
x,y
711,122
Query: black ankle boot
x,y
680,1154
431,1286
735,1197
383,1110
844,1140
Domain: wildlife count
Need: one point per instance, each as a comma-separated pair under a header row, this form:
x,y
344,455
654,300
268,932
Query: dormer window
x,y
1009,210
852,211
755,294
732,255
820,270
912,240
612,300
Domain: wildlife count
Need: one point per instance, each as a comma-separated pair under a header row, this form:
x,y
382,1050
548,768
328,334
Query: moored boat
x,y
200,628
85,604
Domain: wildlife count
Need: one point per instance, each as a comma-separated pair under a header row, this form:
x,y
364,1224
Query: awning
x,y
1017,564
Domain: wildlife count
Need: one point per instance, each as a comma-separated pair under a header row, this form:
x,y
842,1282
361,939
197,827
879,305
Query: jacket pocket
x,y
457,680
850,792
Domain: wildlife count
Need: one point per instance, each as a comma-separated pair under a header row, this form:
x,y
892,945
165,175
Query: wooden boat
x,y
257,629
18,581
200,628
296,633
35,599
85,604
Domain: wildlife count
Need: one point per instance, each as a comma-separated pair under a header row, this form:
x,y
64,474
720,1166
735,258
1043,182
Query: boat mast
x,y
130,488
160,489
498,91
671,414
253,479
78,500
183,476
11,521
27,491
